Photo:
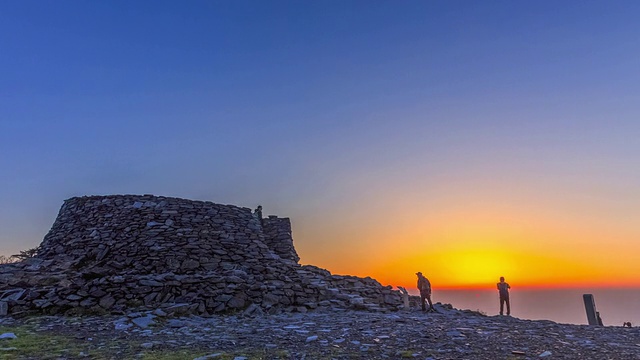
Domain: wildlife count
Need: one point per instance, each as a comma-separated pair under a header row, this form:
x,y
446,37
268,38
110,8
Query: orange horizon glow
x,y
410,284
523,287
472,247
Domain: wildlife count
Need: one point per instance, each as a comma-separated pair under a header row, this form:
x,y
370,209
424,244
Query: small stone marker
x,y
4,308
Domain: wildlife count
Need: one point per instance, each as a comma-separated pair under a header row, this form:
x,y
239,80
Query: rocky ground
x,y
447,334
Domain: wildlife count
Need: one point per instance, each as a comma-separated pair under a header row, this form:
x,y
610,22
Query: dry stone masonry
x,y
278,237
116,253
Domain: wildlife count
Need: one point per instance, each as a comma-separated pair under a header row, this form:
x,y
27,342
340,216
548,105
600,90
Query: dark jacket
x,y
504,287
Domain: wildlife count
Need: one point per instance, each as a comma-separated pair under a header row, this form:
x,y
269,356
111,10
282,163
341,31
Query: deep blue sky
x,y
319,110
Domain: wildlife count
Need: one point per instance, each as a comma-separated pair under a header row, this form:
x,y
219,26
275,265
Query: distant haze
x,y
466,140
615,306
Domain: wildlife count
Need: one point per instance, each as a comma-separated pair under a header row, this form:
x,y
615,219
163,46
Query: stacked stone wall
x,y
113,253
149,234
278,237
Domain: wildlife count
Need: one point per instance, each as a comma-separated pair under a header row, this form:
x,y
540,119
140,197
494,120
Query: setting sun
x,y
475,267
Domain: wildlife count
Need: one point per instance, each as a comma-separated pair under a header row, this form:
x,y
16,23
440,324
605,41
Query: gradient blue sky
x,y
358,119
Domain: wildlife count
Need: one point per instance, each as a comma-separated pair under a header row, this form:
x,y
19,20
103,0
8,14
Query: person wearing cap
x,y
425,291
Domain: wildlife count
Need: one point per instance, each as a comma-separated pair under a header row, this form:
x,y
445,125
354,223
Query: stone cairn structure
x,y
112,254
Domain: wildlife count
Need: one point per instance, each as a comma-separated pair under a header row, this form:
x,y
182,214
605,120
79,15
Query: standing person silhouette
x,y
503,289
258,213
425,291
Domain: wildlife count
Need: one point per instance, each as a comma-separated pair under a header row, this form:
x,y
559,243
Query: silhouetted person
x,y
425,291
503,289
258,212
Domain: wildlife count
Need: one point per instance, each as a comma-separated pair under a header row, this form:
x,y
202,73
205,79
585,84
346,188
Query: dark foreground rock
x,y
448,334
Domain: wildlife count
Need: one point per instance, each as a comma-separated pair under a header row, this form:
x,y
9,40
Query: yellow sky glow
x,y
472,249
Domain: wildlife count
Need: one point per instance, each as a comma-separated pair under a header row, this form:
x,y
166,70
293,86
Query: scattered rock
x,y
121,324
312,338
212,356
107,302
143,322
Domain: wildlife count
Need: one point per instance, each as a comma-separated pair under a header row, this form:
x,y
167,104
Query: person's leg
x,y
429,300
422,297
501,305
508,307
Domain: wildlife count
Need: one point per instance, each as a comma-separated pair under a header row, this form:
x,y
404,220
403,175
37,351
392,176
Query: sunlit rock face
x,y
113,253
